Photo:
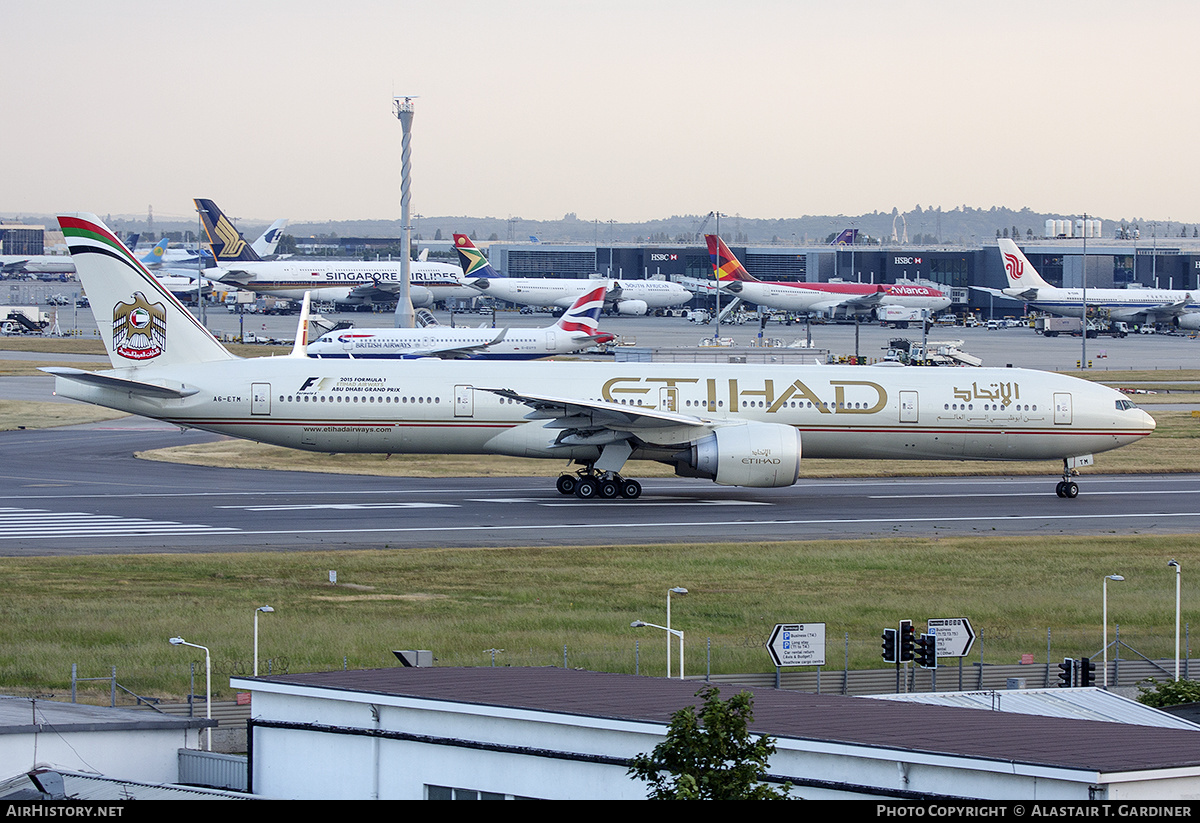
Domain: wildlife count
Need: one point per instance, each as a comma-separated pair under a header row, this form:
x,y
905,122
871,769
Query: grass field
x,y
534,604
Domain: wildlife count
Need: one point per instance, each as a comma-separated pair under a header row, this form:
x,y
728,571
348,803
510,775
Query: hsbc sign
x,y
661,257
906,261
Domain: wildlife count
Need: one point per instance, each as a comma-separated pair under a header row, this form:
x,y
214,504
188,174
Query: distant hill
x,y
959,226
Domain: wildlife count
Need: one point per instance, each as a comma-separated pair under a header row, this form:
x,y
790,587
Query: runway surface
x,y
79,490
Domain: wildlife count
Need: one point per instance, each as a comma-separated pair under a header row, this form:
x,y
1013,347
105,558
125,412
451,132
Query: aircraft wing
x,y
106,381
458,351
995,293
597,422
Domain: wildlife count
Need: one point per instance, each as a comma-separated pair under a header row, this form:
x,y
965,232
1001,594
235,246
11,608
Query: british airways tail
x,y
726,267
227,242
473,263
1020,272
584,315
141,322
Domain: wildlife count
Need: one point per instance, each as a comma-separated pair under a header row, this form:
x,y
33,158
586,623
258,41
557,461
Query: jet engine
x,y
632,308
751,454
1190,321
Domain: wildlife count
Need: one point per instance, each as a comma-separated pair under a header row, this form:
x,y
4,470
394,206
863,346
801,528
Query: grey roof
x,y
1081,704
855,721
56,784
23,715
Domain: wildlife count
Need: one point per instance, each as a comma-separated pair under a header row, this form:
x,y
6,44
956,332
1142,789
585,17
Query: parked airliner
x,y
1181,308
818,297
577,329
630,297
736,424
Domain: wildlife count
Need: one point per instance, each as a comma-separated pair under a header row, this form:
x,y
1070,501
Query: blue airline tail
x,y
227,242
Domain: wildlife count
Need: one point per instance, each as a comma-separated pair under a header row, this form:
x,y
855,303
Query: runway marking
x,y
341,506
31,524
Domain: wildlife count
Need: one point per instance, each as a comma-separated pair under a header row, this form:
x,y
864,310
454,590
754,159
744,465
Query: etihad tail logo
x,y
231,242
139,329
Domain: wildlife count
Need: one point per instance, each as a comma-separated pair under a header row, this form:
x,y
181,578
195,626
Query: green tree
x,y
709,754
1170,693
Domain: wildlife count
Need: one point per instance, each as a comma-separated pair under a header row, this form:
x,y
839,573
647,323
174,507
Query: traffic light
x,y
926,655
889,645
1066,673
1087,672
907,644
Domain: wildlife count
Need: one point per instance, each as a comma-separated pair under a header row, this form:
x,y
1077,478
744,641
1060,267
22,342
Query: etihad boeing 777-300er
x,y
630,297
577,329
1180,308
736,424
819,297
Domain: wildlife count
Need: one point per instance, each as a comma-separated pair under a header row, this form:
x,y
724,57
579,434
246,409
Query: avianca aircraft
x,y
577,329
345,283
1182,308
631,297
817,297
736,424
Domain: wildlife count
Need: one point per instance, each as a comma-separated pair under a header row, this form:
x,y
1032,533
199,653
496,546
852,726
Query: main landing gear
x,y
1067,487
588,484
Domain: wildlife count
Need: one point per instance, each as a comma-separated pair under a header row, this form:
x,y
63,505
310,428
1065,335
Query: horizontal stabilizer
x,y
119,383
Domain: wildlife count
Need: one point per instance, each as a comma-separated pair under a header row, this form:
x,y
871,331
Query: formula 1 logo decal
x,y
139,328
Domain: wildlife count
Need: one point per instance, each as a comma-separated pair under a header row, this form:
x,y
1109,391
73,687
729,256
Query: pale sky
x,y
616,109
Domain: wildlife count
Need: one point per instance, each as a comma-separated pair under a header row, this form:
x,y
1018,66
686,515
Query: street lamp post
x,y
265,610
1107,578
638,624
179,641
1175,563
676,590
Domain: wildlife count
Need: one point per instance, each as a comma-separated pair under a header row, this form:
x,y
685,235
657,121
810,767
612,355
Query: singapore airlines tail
x,y
473,263
726,267
141,322
227,242
1021,273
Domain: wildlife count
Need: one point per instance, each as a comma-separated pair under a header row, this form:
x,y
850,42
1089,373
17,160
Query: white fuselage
x,y
435,406
811,298
503,343
347,281
1131,305
549,291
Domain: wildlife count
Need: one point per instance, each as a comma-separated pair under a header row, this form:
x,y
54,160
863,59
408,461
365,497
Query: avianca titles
x,y
733,279
736,424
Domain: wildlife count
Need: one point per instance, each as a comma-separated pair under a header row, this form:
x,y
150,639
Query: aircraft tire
x,y
1059,489
1071,490
609,489
566,483
631,489
587,488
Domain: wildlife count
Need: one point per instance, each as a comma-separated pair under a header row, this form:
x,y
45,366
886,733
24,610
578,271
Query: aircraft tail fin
x,y
1020,272
473,263
584,315
141,322
154,257
227,242
726,267
268,241
846,238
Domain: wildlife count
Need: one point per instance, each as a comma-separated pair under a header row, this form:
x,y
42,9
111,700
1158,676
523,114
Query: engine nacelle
x,y
763,455
1190,321
633,308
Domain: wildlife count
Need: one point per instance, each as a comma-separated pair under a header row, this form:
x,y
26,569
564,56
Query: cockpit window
x,y
1125,405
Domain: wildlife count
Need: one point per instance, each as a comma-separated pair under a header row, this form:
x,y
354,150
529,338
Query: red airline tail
x,y
726,267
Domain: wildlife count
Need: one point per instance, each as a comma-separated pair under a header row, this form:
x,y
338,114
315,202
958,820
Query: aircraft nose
x,y
1148,422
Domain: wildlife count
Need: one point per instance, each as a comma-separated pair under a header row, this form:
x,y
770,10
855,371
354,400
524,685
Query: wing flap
x,y
108,381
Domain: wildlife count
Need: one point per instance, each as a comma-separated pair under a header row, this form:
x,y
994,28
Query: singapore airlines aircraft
x,y
345,283
1182,308
818,297
577,329
739,425
631,297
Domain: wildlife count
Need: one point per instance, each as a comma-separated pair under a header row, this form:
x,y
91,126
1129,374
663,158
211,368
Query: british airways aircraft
x,y
577,329
1180,308
736,424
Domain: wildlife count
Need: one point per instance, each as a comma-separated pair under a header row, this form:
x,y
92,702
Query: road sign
x,y
954,636
797,644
